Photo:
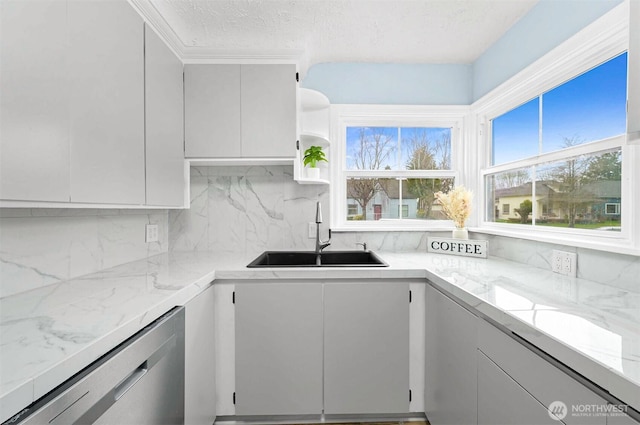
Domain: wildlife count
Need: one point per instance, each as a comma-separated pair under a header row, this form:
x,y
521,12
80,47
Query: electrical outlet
x,y
565,263
312,230
151,233
569,263
556,261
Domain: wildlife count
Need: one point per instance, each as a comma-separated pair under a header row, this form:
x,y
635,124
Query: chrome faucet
x,y
320,244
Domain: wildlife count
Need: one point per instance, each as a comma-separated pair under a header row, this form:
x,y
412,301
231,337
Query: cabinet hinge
x,y
409,395
297,145
233,297
297,77
409,296
234,398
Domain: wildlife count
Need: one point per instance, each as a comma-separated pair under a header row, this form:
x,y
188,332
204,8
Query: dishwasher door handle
x,y
130,381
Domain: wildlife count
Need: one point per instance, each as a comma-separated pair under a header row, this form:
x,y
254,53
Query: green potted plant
x,y
311,158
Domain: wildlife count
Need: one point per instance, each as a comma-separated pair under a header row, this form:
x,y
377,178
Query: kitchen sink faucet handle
x,y
364,245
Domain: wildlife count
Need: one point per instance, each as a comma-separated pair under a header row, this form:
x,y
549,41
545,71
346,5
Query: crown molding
x,y
198,54
156,21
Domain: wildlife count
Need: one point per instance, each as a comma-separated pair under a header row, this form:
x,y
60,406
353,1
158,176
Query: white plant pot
x,y
460,233
313,173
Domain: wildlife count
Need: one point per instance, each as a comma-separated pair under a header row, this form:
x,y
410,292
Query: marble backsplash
x,y
243,210
41,246
248,210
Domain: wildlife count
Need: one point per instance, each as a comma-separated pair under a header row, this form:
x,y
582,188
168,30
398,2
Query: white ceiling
x,y
382,31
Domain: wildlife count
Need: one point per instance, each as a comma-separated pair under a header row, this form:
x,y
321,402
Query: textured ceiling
x,y
383,31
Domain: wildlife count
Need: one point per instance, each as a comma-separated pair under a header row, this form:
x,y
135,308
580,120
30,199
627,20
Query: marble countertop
x,y
48,334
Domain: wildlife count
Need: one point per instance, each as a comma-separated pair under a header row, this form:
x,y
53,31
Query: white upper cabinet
x,y
164,124
212,111
268,110
106,68
240,111
34,101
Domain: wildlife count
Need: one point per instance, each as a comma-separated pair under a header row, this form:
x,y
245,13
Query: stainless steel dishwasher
x,y
140,382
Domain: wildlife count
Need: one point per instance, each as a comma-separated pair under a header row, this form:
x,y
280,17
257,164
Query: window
x,y
557,158
392,164
611,209
352,211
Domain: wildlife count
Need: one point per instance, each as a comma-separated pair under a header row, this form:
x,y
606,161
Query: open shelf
x,y
314,131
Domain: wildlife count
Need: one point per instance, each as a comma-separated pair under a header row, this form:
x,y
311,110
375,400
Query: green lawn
x,y
609,223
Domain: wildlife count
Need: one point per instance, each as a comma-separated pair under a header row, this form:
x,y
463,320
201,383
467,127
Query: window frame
x,y
616,206
604,39
343,116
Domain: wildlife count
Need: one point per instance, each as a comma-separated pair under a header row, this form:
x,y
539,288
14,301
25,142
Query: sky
x,y
398,153
590,107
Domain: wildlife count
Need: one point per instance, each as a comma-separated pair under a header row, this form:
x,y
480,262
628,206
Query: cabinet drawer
x,y
541,379
502,401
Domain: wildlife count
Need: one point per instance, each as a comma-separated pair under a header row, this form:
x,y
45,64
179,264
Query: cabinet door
x,y
212,111
540,378
278,348
34,101
200,365
451,363
366,348
107,102
268,111
501,401
164,146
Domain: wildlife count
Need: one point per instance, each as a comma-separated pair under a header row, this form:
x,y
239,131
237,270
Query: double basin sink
x,y
310,259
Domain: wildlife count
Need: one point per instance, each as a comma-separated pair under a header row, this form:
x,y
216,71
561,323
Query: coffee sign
x,y
463,247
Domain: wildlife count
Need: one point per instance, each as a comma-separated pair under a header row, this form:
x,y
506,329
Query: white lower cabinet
x,y
302,348
366,348
278,354
451,365
200,370
502,401
475,373
541,379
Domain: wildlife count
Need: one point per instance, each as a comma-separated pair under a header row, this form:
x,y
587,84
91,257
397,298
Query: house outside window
x,y
390,161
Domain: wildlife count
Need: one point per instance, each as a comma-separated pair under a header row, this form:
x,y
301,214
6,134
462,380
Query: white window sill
x,y
378,226
610,242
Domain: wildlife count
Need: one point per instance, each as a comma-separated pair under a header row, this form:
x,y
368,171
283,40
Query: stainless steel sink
x,y
309,259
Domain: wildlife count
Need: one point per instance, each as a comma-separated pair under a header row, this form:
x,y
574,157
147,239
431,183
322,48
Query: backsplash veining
x,y
41,246
246,210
